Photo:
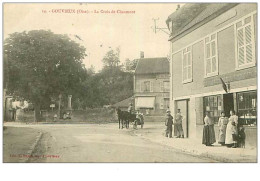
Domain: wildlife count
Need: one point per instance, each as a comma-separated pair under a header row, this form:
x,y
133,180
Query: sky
x,y
99,32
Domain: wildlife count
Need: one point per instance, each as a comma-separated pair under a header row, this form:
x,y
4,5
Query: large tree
x,y
41,65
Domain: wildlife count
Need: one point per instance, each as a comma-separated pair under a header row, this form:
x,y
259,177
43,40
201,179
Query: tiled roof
x,y
193,13
152,66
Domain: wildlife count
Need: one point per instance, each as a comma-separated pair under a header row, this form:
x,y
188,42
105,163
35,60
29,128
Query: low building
x,y
210,42
152,86
124,104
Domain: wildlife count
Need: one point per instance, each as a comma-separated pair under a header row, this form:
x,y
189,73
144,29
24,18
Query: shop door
x,y
228,103
183,105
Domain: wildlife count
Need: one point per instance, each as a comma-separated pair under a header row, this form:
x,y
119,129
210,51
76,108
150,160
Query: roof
x,y
152,66
123,103
192,14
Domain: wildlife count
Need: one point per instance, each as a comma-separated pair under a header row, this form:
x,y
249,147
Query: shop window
x,y
247,108
213,105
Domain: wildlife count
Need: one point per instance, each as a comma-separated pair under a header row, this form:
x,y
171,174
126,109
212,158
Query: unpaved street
x,y
100,143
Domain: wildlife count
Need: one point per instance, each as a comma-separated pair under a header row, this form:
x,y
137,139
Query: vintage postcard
x,y
130,82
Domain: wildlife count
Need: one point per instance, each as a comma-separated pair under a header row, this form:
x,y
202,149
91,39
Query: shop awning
x,y
144,102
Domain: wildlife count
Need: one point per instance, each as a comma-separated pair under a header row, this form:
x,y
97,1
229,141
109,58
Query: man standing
x,y
168,124
178,125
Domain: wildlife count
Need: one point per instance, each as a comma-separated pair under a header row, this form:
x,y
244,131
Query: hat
x,y
168,111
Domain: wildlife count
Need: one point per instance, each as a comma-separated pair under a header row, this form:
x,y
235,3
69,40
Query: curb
x,y
32,147
196,154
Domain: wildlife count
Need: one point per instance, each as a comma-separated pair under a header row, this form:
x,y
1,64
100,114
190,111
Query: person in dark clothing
x,y
168,124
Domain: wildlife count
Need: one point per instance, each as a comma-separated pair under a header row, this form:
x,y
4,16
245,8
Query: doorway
x,y
183,105
228,103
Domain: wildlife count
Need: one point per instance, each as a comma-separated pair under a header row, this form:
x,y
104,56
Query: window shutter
x,y
214,64
138,86
248,35
142,86
162,86
208,66
240,42
151,86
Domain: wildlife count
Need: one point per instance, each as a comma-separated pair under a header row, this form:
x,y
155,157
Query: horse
x,y
125,117
122,117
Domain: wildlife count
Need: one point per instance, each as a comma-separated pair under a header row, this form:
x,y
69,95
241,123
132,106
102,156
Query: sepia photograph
x,y
129,82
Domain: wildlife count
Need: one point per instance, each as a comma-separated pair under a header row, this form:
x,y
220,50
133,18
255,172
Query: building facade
x,y
152,86
214,42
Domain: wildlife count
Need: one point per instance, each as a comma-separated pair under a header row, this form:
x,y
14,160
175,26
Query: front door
x,y
228,103
183,105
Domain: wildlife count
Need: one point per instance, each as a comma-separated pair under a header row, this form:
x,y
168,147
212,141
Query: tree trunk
x,y
36,112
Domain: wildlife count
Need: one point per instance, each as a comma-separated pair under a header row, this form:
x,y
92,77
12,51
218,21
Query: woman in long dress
x,y
222,124
208,131
231,130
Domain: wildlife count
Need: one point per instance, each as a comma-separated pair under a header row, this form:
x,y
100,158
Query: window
x,y
245,45
211,55
247,108
165,86
186,65
146,86
213,104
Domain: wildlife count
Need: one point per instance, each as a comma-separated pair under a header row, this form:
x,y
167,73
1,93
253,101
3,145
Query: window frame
x,y
211,74
163,87
150,83
252,24
191,64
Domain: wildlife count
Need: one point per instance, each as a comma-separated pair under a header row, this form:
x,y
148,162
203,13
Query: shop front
x,y
245,105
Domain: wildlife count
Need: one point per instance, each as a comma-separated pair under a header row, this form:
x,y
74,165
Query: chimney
x,y
141,54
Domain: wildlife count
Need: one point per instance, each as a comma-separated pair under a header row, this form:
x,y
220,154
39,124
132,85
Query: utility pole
x,y
155,28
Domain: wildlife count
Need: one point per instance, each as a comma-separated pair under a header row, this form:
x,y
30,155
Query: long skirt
x,y
208,135
222,134
229,131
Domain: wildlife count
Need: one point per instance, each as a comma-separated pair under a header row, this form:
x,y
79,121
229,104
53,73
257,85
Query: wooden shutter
x,y
161,86
240,42
142,86
151,86
248,38
189,71
184,67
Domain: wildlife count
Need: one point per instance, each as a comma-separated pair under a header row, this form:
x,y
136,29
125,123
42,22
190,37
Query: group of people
x,y
229,131
177,122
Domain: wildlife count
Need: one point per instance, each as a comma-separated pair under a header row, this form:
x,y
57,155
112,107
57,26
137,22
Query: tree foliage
x,y
41,65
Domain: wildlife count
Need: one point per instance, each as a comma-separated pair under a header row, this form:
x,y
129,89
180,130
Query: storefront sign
x,y
231,77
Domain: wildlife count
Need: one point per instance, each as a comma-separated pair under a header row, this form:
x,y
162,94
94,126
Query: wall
x,y
156,80
198,88
226,56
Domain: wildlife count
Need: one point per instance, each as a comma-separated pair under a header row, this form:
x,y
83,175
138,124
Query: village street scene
x,y
157,83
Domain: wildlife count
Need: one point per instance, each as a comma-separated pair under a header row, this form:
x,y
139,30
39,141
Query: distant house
x,y
152,85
